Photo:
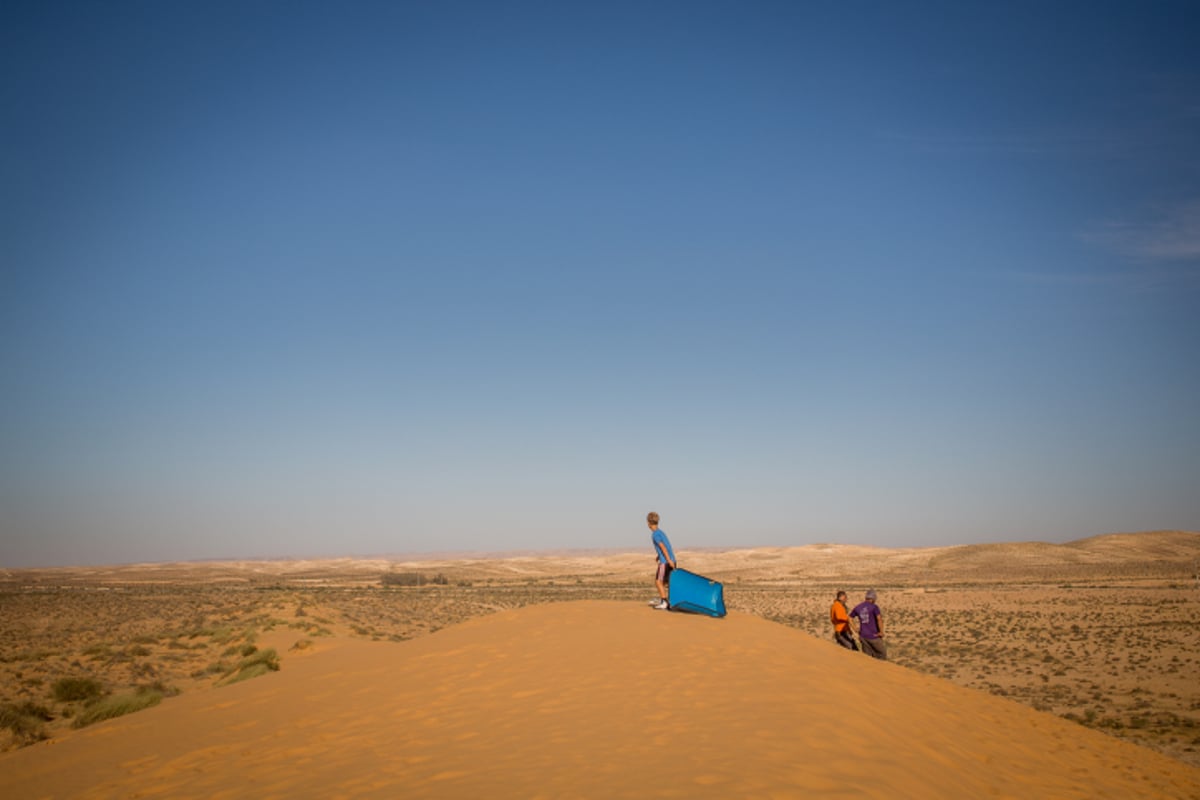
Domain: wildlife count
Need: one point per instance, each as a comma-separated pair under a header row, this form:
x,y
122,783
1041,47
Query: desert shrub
x,y
248,650
117,706
35,710
252,666
144,670
25,722
67,690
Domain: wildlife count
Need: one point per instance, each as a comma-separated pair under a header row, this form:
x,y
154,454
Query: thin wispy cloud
x,y
1054,143
1155,254
1147,279
1173,236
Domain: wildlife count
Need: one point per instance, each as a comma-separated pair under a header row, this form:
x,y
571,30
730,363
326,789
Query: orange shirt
x,y
839,617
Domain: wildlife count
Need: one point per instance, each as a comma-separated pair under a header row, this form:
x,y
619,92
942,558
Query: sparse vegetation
x,y
1116,652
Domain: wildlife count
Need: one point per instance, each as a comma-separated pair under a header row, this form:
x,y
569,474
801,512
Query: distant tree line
x,y
413,579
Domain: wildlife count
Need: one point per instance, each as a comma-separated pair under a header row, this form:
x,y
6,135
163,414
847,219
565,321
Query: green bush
x,y
67,690
117,706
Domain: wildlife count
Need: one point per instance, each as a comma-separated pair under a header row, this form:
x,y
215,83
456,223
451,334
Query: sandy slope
x,y
592,699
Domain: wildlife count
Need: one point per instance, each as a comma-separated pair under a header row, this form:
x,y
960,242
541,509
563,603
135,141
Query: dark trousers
x,y
876,648
846,639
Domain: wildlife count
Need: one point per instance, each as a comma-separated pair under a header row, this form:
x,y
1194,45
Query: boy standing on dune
x,y
665,557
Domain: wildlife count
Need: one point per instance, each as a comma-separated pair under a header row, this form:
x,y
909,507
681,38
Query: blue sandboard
x,y
688,591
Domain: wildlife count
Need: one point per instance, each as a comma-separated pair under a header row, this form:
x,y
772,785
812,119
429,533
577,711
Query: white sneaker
x,y
662,605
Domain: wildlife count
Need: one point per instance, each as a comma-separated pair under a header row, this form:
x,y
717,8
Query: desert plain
x,y
1016,670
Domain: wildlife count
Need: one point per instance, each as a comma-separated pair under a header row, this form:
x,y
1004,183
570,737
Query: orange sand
x,y
592,699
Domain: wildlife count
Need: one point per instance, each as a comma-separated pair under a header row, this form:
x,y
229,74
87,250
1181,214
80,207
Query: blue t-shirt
x,y
868,619
659,536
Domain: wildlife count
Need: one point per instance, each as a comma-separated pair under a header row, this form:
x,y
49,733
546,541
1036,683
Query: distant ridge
x,y
1160,554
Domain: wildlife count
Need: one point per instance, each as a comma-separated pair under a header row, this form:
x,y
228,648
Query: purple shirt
x,y
868,619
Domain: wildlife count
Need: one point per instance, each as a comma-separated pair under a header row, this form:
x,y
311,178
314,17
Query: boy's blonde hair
x,y
652,518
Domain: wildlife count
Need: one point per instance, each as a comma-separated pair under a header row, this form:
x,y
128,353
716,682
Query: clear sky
x,y
323,279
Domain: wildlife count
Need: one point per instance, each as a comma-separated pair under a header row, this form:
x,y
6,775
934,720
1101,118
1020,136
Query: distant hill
x,y
1151,544
1156,553
1163,555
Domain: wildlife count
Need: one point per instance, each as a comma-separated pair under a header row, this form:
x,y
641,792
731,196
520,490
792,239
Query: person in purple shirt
x,y
867,620
665,557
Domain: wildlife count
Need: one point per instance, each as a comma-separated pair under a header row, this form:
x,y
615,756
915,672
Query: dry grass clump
x,y
252,666
116,706
25,722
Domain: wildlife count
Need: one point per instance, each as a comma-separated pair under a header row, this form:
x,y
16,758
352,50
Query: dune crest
x,y
592,699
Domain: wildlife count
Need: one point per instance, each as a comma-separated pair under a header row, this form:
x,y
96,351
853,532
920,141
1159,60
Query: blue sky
x,y
304,279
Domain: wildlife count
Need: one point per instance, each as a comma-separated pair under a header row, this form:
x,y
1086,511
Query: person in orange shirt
x,y
840,618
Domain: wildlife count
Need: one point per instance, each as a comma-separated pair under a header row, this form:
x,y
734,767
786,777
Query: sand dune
x,y
592,699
